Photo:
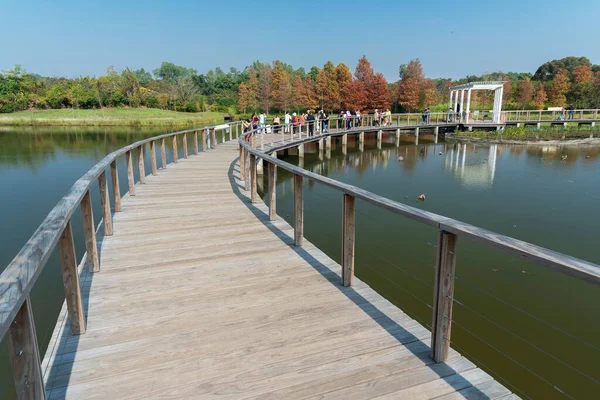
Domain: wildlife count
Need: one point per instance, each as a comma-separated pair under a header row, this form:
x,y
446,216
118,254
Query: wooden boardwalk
x,y
201,296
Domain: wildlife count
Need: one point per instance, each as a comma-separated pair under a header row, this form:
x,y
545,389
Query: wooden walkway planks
x,y
201,296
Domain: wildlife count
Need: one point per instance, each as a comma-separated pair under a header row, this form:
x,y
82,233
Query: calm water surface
x,y
504,306
514,318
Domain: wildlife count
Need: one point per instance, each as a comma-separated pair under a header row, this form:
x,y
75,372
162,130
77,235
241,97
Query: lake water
x,y
531,193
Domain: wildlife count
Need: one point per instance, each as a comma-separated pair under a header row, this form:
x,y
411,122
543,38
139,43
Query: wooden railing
x,y
20,276
453,118
449,230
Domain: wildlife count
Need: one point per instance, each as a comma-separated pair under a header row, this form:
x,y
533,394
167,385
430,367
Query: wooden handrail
x,y
449,231
564,263
19,277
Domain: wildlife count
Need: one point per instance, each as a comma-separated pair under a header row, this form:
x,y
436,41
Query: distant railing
x,y
449,230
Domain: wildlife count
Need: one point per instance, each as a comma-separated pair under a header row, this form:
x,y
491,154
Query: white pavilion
x,y
457,94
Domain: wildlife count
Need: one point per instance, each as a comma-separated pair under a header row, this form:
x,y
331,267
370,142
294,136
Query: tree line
x,y
278,87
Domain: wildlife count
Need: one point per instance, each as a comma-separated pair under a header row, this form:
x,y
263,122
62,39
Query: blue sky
x,y
451,38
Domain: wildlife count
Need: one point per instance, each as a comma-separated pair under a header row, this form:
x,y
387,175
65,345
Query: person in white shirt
x,y
286,120
261,120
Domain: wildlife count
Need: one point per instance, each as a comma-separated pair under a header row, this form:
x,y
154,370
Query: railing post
x,y
175,155
204,140
248,179
272,178
213,137
115,185
196,142
105,203
443,296
153,157
25,355
185,151
89,232
163,153
130,180
348,240
253,182
141,164
298,210
242,157
68,259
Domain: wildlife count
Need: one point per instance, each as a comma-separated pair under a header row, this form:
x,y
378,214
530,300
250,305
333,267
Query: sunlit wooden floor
x,y
201,296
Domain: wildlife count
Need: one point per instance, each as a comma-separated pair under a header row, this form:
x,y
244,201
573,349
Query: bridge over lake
x,y
198,289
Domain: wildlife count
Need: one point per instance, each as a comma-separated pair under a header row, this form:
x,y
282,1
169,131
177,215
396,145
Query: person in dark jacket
x,y
324,122
310,119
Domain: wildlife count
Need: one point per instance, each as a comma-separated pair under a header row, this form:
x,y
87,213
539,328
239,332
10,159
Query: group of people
x,y
294,123
570,110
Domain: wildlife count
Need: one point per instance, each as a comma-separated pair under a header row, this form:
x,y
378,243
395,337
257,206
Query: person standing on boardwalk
x,y
376,117
276,123
571,112
388,116
324,122
294,123
262,120
302,121
286,120
310,118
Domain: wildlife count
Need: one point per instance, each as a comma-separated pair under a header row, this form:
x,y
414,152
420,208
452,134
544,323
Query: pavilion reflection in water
x,y
480,168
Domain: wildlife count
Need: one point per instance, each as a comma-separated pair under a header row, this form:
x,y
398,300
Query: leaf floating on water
x,y
525,272
495,270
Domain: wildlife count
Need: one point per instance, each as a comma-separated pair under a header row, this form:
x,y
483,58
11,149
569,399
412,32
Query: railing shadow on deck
x,y
403,336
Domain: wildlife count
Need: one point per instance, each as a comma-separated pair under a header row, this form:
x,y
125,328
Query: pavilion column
x,y
468,110
450,102
455,101
462,104
500,103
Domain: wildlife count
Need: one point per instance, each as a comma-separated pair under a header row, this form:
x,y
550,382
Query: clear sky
x,y
451,38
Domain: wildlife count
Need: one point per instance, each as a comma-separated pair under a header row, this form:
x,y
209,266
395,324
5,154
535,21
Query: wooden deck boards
x,y
201,296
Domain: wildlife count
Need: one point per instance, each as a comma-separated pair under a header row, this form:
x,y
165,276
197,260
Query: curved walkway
x,y
201,296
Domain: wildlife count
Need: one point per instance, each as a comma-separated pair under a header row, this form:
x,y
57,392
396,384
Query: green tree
x,y
144,78
170,71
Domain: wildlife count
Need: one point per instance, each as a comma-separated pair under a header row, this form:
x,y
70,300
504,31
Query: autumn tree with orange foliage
x,y
379,93
409,90
540,97
344,81
243,98
281,87
429,94
328,89
304,94
264,87
525,92
369,90
583,74
560,87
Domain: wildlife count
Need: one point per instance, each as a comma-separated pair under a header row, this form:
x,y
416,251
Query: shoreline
x,y
566,142
117,117
6,122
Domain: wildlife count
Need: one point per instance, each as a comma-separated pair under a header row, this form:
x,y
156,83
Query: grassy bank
x,y
532,134
110,117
